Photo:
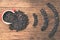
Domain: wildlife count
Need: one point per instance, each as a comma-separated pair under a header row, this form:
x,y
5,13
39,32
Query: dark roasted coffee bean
x,y
11,27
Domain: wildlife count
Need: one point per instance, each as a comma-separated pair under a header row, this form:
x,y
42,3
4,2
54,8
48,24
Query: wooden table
x,y
29,7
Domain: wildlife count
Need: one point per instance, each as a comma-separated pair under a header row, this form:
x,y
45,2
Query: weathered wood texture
x,y
29,7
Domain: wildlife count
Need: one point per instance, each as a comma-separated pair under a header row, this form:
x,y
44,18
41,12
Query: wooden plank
x,y
29,7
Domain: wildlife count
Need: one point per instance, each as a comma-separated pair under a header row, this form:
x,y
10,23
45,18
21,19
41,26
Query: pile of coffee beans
x,y
18,20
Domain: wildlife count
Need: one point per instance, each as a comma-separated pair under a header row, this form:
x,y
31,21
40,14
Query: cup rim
x,y
3,14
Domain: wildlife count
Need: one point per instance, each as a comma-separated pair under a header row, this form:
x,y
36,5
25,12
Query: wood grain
x,y
29,7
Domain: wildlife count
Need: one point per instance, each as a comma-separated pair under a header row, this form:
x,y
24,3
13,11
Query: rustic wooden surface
x,y
29,7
